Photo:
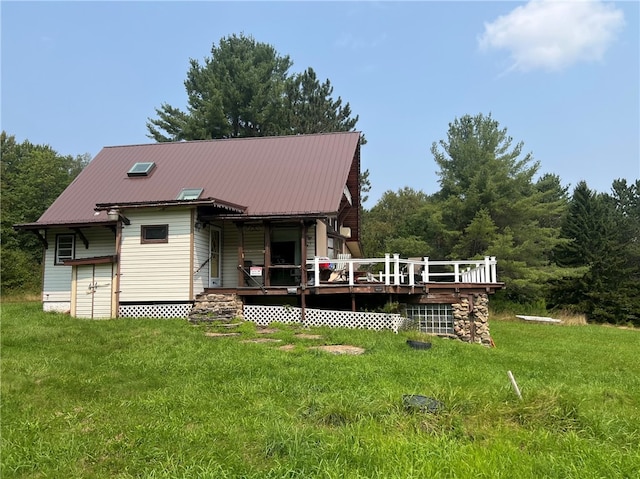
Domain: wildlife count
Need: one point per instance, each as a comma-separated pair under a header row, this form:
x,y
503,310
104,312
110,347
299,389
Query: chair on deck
x,y
417,270
341,268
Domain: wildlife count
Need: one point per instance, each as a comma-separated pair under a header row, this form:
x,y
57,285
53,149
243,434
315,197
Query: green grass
x,y
160,399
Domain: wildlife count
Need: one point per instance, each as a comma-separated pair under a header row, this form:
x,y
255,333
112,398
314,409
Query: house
x,y
146,230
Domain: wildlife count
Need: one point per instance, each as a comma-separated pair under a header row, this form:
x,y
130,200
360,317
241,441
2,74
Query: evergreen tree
x,y
602,233
244,89
492,206
311,109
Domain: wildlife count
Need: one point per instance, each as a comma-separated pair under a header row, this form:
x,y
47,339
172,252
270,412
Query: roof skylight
x,y
141,169
189,194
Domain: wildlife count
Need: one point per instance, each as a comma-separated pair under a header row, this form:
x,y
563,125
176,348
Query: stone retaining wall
x,y
470,315
471,319
216,307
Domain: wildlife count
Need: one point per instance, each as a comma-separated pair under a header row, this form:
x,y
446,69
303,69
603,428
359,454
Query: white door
x,y
94,290
215,249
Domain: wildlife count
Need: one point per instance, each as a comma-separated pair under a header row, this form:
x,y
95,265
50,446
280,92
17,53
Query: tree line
x,y
578,251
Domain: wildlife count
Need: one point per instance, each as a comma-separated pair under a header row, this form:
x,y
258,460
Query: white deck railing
x,y
395,271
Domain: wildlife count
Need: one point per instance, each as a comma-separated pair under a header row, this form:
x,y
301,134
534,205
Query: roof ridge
x,y
326,133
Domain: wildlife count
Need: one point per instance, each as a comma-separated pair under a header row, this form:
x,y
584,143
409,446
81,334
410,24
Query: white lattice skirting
x,y
264,315
180,310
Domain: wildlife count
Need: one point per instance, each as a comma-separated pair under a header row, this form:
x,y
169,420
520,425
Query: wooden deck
x,y
404,280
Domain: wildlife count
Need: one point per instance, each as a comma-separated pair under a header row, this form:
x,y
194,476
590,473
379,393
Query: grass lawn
x,y
162,399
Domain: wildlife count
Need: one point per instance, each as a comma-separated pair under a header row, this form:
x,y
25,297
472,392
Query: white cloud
x,y
553,35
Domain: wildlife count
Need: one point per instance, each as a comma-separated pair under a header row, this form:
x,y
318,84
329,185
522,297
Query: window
x,y
65,248
154,234
334,247
189,194
141,169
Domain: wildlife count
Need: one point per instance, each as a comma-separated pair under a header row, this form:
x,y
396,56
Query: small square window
x,y
65,248
141,169
190,194
154,234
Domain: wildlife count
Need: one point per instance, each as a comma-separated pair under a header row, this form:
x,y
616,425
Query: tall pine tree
x,y
492,205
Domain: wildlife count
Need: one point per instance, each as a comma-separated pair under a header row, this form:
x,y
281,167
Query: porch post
x,y
241,273
303,272
267,253
303,255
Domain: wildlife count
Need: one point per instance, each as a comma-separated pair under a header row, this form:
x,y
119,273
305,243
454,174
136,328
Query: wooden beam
x,y
42,239
82,237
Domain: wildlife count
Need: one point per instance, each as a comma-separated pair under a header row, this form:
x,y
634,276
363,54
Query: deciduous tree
x,y
32,178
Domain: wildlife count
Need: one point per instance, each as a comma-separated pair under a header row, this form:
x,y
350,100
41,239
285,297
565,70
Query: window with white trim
x,y
65,248
189,194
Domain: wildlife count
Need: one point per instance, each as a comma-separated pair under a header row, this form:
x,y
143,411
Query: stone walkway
x,y
334,348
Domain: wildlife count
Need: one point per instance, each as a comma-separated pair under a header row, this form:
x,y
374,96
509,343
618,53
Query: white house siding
x,y
311,242
56,288
200,259
158,272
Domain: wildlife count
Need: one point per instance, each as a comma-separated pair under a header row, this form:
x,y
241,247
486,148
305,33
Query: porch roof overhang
x,y
78,224
92,260
230,208
275,217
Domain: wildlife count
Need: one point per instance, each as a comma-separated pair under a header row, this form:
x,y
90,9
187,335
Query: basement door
x,y
93,290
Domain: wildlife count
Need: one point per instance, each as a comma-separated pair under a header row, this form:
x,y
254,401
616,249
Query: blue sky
x,y
562,77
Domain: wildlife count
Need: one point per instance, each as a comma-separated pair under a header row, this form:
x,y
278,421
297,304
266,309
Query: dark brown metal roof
x,y
285,175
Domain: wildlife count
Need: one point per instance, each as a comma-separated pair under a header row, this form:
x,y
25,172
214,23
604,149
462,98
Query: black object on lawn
x,y
418,344
413,402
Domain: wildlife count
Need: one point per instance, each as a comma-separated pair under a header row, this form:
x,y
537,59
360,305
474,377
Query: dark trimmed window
x,y
65,248
154,234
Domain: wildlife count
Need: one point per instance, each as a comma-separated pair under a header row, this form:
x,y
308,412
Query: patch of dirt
x,y
262,340
287,347
266,331
217,335
308,336
340,349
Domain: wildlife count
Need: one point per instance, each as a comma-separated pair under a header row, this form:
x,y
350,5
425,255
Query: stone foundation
x,y
471,319
216,307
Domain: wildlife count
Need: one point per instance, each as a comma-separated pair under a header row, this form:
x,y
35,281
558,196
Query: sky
x,y
562,77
